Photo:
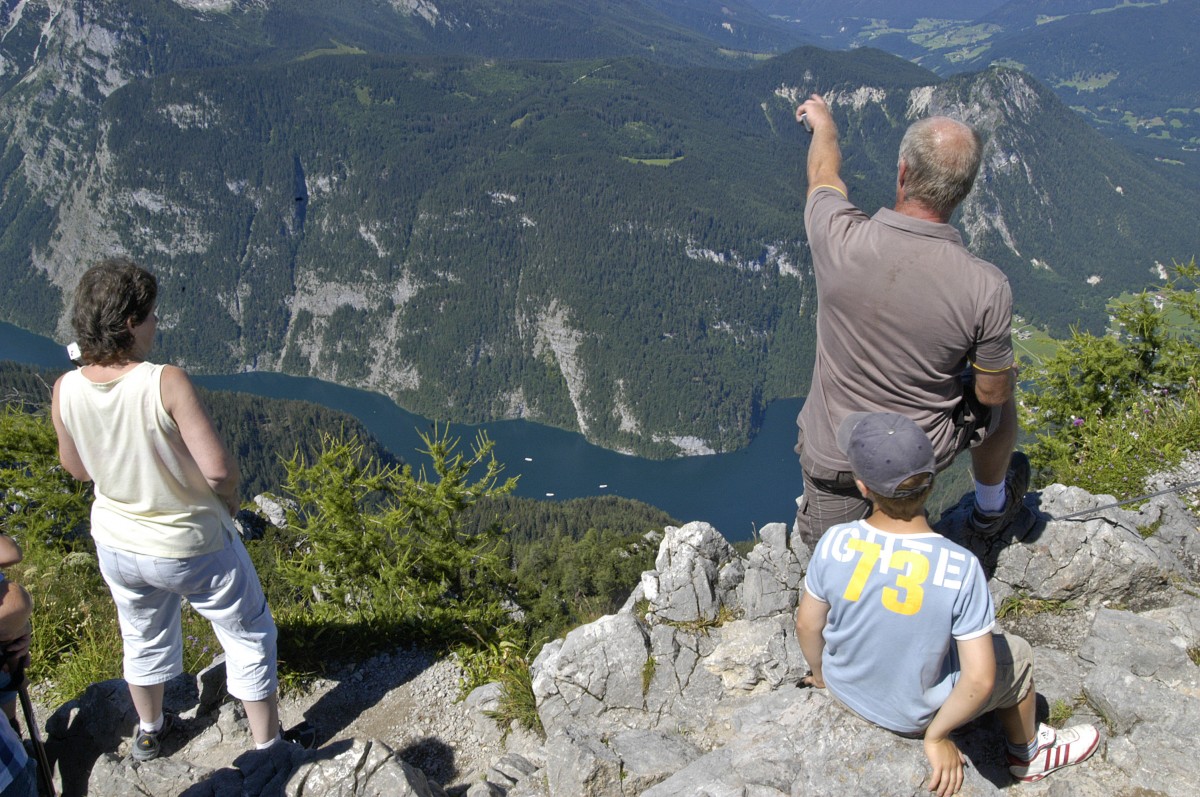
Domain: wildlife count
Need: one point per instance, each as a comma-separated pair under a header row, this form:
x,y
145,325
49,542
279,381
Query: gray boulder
x,y
1086,560
628,763
686,651
1145,684
361,768
578,762
480,702
595,673
511,769
274,509
696,573
774,573
802,742
649,757
757,655
121,778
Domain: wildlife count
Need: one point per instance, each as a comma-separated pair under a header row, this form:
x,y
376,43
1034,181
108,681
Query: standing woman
x,y
166,490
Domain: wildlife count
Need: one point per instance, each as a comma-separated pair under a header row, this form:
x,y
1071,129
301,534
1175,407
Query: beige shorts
x,y
1014,672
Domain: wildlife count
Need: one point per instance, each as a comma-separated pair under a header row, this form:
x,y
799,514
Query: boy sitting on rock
x,y
897,620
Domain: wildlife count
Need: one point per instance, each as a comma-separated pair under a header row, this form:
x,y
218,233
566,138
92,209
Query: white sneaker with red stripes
x,y
1056,749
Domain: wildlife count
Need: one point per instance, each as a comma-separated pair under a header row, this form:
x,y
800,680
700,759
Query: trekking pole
x,y
45,772
1084,512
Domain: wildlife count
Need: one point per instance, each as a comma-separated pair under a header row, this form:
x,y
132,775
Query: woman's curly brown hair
x,y
110,293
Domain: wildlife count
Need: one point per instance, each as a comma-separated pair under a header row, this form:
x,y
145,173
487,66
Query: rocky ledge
x,y
691,688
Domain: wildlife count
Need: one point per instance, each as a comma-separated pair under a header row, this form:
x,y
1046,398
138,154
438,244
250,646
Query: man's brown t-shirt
x,y
902,309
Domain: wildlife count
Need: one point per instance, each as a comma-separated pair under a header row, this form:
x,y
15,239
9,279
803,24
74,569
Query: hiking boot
x,y
147,745
302,734
1055,750
1016,482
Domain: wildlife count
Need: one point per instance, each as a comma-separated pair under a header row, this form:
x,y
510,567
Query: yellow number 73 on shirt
x,y
913,567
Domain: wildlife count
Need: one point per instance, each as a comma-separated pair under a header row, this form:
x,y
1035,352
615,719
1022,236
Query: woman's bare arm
x,y
200,436
68,455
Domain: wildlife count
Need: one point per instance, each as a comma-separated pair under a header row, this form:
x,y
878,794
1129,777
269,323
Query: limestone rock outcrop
x,y
691,687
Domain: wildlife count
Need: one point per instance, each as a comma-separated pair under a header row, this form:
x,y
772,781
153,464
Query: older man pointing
x,y
908,321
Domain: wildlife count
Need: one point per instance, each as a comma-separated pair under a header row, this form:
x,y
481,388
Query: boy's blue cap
x,y
886,449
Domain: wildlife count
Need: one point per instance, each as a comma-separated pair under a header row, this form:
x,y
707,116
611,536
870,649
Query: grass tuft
x,y
703,625
1060,713
648,670
1021,605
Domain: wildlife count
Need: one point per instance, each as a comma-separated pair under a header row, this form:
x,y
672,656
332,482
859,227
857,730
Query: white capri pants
x,y
222,586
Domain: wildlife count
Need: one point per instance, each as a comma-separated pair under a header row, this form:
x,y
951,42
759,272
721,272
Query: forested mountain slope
x,y
1131,70
611,245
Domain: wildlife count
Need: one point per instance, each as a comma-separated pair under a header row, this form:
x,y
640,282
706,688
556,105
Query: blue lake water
x,y
735,492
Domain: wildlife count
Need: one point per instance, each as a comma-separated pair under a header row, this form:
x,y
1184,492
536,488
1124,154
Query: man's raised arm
x,y
824,155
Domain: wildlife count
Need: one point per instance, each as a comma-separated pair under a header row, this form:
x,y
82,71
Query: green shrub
x,y
45,509
76,638
1109,411
648,671
1115,454
378,554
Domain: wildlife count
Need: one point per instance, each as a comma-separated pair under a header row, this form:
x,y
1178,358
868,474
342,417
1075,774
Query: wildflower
x,y
1077,422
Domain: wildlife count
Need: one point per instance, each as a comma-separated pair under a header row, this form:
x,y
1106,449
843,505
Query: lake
x,y
735,492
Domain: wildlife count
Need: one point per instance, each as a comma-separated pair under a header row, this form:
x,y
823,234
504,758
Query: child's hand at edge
x,y
947,762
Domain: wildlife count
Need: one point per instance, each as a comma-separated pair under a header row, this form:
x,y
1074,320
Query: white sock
x,y
278,738
153,727
989,498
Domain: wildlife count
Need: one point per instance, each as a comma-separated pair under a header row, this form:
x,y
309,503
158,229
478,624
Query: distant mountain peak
x,y
222,6
423,9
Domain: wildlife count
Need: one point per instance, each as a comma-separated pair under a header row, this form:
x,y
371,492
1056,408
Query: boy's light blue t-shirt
x,y
895,603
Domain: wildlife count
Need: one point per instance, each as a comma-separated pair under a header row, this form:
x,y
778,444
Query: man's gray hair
x,y
943,157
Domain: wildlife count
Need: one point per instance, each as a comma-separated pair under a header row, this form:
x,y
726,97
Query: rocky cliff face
x,y
691,688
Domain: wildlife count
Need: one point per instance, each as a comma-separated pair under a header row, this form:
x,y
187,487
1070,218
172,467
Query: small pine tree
x,y
1108,411
384,549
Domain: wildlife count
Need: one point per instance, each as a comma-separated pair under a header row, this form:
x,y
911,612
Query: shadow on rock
x,y
433,757
97,723
1028,527
353,694
262,773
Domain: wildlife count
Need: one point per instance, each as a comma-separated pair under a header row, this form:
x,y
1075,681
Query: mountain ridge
x,y
612,246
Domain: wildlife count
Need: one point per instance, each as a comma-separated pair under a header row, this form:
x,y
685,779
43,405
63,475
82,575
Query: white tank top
x,y
151,497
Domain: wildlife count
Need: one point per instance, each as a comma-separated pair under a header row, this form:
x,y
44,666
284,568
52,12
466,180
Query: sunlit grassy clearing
x,y
1081,81
946,37
1127,4
967,54
337,49
1031,342
751,56
654,161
